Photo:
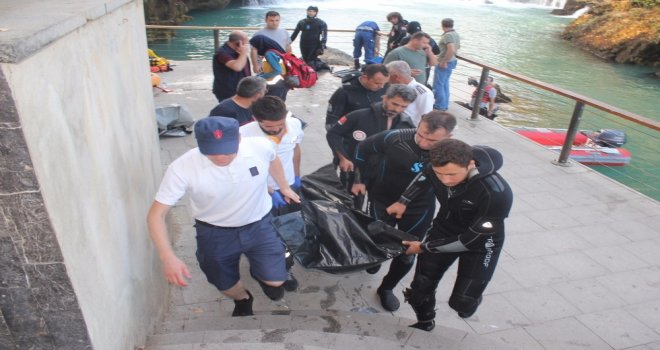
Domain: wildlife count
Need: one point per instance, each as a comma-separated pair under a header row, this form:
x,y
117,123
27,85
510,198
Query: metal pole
x,y
216,39
480,94
570,134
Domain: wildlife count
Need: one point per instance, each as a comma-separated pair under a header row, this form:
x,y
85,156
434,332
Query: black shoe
x,y
243,307
468,314
373,270
291,284
425,325
388,300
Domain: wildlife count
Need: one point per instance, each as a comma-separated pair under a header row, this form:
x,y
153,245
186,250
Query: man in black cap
x,y
314,35
230,203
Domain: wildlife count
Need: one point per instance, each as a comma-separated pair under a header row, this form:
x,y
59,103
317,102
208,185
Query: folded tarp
x,y
329,235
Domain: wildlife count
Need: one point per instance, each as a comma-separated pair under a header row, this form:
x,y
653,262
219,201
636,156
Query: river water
x,y
520,38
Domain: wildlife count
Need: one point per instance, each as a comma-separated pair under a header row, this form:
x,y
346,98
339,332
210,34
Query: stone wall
x,y
79,168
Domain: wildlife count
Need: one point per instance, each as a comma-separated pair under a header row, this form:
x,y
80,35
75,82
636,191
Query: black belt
x,y
204,223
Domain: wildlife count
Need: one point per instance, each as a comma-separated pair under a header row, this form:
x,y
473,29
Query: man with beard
x,y
285,132
402,155
314,35
356,126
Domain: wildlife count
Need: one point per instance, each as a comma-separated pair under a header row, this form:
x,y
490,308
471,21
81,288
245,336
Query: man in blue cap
x,y
228,187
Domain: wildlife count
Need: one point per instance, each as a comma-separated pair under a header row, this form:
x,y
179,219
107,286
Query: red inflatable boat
x,y
601,147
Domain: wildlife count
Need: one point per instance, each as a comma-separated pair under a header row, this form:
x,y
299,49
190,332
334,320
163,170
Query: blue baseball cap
x,y
217,135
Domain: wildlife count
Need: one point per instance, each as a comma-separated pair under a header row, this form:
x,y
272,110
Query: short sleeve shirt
x,y
228,196
280,35
450,37
228,108
293,136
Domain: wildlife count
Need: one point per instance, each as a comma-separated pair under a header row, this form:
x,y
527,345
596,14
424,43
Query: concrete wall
x,y
80,150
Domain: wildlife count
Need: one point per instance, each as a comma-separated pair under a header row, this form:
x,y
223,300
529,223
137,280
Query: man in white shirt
x,y
285,132
230,203
400,73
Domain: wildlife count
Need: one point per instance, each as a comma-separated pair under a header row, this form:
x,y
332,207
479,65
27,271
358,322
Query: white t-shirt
x,y
293,136
422,104
228,196
279,35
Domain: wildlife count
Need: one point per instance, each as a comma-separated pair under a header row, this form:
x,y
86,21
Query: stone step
x,y
269,339
384,327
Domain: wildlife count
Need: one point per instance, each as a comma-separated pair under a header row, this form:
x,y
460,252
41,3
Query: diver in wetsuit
x,y
401,155
314,35
469,227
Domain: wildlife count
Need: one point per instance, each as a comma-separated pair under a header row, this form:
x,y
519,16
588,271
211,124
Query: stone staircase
x,y
326,312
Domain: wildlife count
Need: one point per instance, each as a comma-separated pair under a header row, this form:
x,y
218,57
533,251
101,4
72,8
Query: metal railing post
x,y
216,39
480,94
570,134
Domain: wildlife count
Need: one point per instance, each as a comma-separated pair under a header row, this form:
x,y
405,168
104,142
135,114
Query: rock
x,y
618,32
570,7
173,12
336,57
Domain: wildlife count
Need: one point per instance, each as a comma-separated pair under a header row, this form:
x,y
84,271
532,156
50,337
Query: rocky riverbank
x,y
621,31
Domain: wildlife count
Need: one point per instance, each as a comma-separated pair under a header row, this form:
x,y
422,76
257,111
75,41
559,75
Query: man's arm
x,y
277,172
336,135
451,50
239,63
336,107
296,31
256,63
297,156
377,43
431,60
324,34
174,269
418,185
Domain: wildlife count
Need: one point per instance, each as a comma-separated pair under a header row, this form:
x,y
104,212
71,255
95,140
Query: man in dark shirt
x,y
357,92
402,154
249,90
356,126
469,227
230,65
314,35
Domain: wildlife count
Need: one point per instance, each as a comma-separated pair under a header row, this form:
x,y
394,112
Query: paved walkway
x,y
580,267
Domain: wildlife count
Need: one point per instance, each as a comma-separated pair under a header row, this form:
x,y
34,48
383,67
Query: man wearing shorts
x,y
228,187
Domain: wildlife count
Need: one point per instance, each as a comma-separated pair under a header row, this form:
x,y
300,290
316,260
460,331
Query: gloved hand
x,y
296,183
278,200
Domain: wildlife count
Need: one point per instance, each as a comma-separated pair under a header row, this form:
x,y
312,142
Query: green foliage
x,y
645,3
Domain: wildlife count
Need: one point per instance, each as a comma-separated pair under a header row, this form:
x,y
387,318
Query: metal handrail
x,y
580,100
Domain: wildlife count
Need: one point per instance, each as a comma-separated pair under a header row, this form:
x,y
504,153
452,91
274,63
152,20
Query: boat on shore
x,y
602,147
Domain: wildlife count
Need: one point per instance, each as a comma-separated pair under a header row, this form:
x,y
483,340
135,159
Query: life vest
x,y
485,98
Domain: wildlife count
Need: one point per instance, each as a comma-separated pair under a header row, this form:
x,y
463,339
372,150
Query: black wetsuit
x,y
350,97
356,126
469,227
314,35
400,160
397,32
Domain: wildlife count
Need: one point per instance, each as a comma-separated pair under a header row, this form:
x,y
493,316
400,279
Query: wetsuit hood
x,y
487,159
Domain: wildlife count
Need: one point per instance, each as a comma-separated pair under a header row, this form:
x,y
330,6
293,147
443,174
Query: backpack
x,y
298,73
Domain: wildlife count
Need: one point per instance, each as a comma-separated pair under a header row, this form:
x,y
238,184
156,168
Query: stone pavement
x,y
580,267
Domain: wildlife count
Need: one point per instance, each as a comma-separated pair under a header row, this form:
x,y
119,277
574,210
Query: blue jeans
x,y
441,85
364,39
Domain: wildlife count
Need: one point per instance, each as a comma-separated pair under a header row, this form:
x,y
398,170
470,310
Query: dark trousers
x,y
475,269
416,221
